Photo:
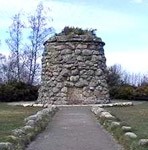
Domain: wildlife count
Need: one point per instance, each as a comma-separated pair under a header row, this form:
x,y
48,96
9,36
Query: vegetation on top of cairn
x,y
77,31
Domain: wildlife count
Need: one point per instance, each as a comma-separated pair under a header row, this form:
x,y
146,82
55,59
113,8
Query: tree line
x,y
124,85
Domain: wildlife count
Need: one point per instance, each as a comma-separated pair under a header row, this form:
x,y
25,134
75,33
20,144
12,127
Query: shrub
x,y
141,93
122,92
18,91
129,92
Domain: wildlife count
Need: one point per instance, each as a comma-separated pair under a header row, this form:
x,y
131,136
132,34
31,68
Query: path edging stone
x,y
34,124
112,125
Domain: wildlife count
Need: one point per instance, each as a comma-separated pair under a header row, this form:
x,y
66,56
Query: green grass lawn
x,y
12,117
134,116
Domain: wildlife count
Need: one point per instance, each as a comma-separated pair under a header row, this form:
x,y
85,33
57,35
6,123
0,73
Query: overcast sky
x,y
122,25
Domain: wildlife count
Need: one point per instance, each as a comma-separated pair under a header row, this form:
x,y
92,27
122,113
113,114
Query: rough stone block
x,y
130,135
126,128
6,146
143,142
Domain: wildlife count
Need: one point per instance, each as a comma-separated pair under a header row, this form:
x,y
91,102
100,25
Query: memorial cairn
x,y
74,69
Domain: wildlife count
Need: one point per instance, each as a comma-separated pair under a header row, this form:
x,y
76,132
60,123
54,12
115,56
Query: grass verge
x,y
12,117
136,117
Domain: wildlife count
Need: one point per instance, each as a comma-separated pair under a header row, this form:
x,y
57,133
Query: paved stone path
x,y
74,128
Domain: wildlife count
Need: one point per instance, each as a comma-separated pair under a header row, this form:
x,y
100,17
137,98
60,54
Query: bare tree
x,y
2,68
144,80
7,69
117,76
114,75
14,43
24,62
39,31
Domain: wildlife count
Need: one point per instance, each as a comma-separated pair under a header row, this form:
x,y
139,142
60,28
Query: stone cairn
x,y
74,70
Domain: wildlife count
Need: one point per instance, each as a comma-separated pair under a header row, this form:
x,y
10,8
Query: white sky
x,y
122,25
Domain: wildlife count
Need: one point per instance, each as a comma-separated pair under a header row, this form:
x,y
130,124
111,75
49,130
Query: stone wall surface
x,y
73,70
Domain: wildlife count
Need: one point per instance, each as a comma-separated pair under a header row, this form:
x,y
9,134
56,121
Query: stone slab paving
x,y
74,128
